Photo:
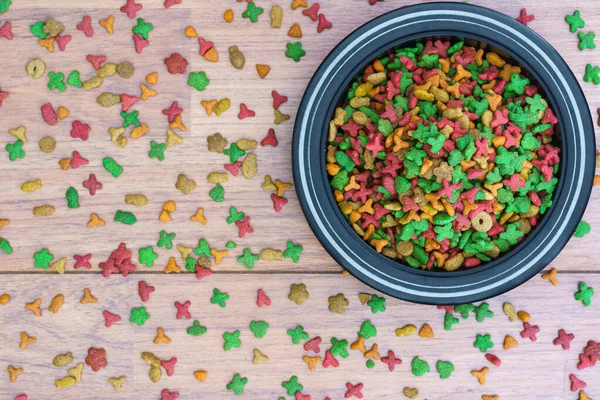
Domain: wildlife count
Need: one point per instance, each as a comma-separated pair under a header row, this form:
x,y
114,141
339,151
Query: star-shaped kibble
x,y
575,22
219,298
237,384
232,339
252,12
297,334
43,258
143,28
15,150
147,256
198,80
377,304
483,342
139,315
482,312
166,239
584,294
295,51
292,386
586,40
248,259
56,81
157,150
338,303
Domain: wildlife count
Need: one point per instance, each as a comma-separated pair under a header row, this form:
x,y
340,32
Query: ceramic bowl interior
x,y
507,37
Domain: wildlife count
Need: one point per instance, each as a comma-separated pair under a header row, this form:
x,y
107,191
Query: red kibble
x,y
3,95
278,202
244,226
82,261
493,359
312,12
353,390
169,3
80,130
176,64
140,43
530,331
330,360
92,184
77,160
262,299
183,310
313,345
173,111
270,140
576,383
233,168
201,272
144,290
86,26
525,18
245,112
127,101
204,45
391,360
96,358
96,61
564,339
167,395
323,23
6,31
278,99
131,8
110,318
169,365
62,41
48,114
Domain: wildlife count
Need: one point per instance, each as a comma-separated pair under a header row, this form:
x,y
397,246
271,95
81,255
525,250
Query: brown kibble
x,y
510,312
295,31
363,298
4,299
482,222
34,307
216,143
218,177
236,57
276,15
107,99
108,69
338,303
62,360
249,166
454,263
76,372
411,393
271,254
57,302
150,358
246,144
87,297
125,69
298,293
228,15
263,70
204,262
43,211
426,332
280,117
268,184
53,28
136,199
176,63
184,184
47,144
14,373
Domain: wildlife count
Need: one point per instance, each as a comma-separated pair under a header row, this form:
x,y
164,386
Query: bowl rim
x,y
390,276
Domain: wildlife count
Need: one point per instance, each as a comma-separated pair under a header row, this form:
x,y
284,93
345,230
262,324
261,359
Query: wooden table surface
x,y
537,370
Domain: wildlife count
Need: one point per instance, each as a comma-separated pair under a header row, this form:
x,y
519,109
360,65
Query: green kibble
x,y
125,217
217,193
72,197
5,246
112,167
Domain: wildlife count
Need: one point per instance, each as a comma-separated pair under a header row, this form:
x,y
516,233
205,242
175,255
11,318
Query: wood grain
x,y
533,370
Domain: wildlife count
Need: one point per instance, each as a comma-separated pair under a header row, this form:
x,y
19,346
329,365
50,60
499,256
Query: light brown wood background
x,y
533,370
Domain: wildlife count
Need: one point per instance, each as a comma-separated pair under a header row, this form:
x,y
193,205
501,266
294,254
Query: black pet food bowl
x,y
575,176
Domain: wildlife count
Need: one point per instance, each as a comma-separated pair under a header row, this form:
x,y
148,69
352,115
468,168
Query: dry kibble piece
x,y
218,177
4,299
32,186
35,68
26,340
268,184
298,293
155,373
426,332
107,99
276,16
92,83
216,143
88,297
246,144
43,211
65,382
338,303
161,337
184,184
200,375
510,312
117,382
62,360
228,15
34,307
411,393
152,78
76,372
259,357
295,31
53,28
263,70
236,57
190,32
249,166
222,106
271,254
57,302
136,199
108,69
14,373
282,187
47,144
125,69
150,358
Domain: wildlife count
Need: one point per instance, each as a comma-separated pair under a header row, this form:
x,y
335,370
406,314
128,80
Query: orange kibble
x,y
445,63
139,131
332,169
178,124
34,307
14,373
146,92
480,374
211,55
88,297
4,299
172,266
209,105
169,206
47,43
190,32
370,230
479,57
200,375
164,216
354,216
312,361
64,163
440,258
199,217
461,73
26,340
161,338
359,345
426,332
295,31
263,70
338,196
524,316
152,78
299,3
219,255
490,85
549,276
498,141
378,66
596,180
494,101
510,342
95,221
351,184
367,207
379,244
63,112
108,24
373,352
228,16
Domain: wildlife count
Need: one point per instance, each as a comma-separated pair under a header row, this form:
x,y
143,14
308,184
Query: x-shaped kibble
x,y
252,12
575,22
237,384
183,310
166,239
56,81
292,386
391,360
564,339
530,331
219,298
339,347
15,150
482,312
232,339
234,152
586,40
297,334
584,294
248,259
157,150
